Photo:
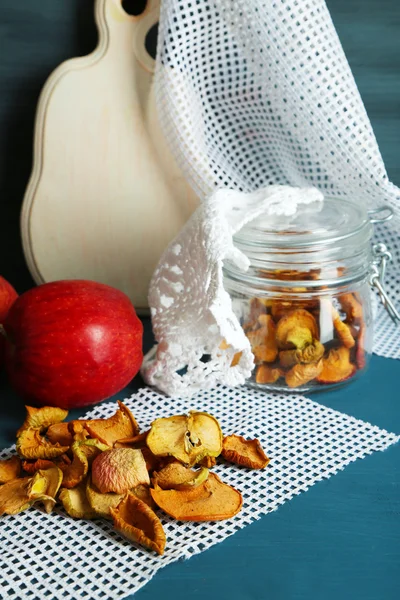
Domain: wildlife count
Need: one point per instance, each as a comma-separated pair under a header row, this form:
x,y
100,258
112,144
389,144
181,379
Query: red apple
x,y
72,343
7,297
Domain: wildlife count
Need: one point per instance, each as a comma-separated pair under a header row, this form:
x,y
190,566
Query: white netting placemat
x,y
53,556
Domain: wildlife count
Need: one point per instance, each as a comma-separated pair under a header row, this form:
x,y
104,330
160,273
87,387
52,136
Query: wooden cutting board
x,y
105,195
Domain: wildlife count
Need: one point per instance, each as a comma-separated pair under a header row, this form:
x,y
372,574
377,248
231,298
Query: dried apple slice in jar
x,y
343,330
188,438
268,374
301,374
296,330
262,340
308,354
135,520
351,306
246,453
336,367
213,500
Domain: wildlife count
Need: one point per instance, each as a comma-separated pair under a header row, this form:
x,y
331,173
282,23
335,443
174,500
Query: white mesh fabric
x,y
191,312
258,92
53,556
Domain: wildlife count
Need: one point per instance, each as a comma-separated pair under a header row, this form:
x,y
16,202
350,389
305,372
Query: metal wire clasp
x,y
378,268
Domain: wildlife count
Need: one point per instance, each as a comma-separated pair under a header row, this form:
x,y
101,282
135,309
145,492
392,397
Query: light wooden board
x,y
105,195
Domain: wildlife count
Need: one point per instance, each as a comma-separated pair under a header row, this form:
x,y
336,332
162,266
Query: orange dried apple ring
x,y
59,433
262,340
136,441
188,438
139,523
49,481
246,453
309,354
302,374
41,418
121,425
84,454
76,503
10,469
213,500
30,444
78,431
14,496
268,374
41,464
176,476
351,307
336,367
297,329
342,329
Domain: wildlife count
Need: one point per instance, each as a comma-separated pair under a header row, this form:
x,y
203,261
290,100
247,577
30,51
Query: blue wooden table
x,y
340,539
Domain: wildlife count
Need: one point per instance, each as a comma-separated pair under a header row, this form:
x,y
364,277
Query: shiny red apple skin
x,y
72,343
7,297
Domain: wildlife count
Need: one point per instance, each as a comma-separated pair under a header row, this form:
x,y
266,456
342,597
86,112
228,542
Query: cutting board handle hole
x,y
150,41
134,7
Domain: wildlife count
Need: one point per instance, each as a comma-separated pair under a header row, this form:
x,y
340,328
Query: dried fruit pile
x,y
286,340
107,468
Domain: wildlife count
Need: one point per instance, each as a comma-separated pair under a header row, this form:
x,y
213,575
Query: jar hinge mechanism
x,y
381,257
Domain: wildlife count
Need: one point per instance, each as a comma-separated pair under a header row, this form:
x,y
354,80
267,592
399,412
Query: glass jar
x,y
305,301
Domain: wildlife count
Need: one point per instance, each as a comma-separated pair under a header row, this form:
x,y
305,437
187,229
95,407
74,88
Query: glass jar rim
x,y
328,222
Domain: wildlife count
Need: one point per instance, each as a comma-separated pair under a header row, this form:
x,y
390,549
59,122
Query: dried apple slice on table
x,y
10,468
42,418
76,503
139,523
121,425
176,476
84,453
30,444
119,470
213,500
188,438
247,453
59,433
101,503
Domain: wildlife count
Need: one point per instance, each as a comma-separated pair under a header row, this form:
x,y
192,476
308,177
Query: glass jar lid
x,y
327,222
324,243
